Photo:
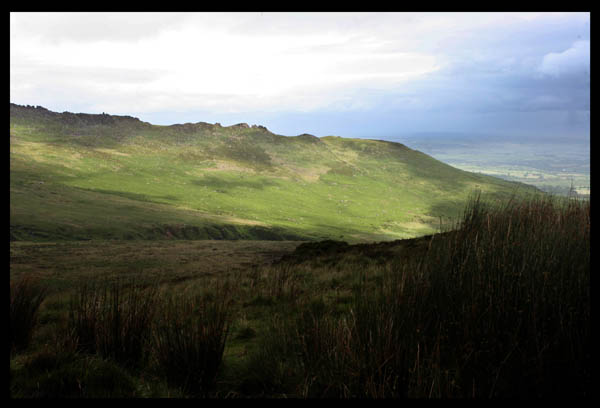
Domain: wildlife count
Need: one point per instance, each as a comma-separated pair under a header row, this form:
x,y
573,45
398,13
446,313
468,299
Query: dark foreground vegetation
x,y
497,307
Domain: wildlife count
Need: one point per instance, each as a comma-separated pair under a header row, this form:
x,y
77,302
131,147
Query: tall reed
x,y
514,279
498,307
113,319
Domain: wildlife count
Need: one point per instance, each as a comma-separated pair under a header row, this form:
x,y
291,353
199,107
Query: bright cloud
x,y
207,65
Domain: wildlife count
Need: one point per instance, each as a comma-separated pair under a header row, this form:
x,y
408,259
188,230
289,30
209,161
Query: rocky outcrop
x,y
306,137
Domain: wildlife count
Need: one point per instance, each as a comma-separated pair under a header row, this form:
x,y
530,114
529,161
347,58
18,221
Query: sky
x,y
366,75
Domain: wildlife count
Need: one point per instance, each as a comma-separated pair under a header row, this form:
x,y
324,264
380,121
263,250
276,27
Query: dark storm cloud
x,y
530,78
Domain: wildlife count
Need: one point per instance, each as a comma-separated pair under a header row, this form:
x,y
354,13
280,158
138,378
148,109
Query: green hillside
x,y
83,176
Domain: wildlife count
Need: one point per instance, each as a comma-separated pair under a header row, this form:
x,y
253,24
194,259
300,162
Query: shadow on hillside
x,y
218,183
134,196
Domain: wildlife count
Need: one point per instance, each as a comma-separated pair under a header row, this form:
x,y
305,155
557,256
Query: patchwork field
x,y
558,168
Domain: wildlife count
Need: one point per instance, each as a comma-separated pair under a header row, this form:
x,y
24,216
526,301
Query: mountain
x,y
87,176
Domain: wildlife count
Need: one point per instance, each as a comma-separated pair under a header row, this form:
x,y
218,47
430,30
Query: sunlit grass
x,y
152,177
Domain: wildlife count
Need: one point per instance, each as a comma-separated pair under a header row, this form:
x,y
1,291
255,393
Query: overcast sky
x,y
371,75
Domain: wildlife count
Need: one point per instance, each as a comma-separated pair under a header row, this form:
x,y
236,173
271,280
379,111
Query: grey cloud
x,y
574,60
545,102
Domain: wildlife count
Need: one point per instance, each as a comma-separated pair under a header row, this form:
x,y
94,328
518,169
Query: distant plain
x,y
552,166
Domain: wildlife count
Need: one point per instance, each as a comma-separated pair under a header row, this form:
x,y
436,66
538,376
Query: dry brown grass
x,y
64,263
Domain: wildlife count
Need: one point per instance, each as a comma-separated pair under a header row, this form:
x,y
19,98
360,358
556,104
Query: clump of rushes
x,y
499,307
366,352
189,339
514,283
26,296
113,320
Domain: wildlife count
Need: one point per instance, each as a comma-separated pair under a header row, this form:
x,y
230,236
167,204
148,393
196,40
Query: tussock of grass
x,y
26,296
52,374
189,340
113,319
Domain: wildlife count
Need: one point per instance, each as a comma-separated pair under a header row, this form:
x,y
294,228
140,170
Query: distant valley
x,y
552,166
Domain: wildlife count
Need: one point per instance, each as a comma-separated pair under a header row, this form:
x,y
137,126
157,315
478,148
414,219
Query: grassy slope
x,y
79,176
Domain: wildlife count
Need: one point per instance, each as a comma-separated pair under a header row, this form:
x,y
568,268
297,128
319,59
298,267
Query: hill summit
x,y
101,176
